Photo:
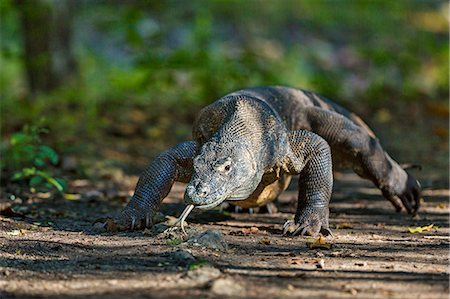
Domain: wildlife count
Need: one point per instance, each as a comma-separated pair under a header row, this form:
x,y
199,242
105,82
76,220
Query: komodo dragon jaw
x,y
222,171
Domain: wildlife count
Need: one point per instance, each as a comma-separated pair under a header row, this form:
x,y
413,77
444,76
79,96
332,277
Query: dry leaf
x,y
15,232
420,229
344,225
320,243
18,232
265,241
70,196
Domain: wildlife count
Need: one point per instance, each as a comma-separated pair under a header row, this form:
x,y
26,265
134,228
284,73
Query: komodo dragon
x,y
249,143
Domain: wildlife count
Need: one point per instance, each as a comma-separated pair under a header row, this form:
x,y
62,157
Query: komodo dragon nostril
x,y
202,191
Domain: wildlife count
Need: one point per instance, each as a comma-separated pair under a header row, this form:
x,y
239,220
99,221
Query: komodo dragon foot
x,y
311,221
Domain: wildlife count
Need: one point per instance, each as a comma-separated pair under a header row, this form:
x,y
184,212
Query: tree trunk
x,y
47,34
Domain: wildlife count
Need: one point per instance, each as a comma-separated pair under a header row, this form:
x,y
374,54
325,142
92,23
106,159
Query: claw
x,y
326,232
133,222
303,229
147,220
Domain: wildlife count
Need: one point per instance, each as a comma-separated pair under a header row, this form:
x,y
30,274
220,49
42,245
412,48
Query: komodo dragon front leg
x,y
312,160
175,164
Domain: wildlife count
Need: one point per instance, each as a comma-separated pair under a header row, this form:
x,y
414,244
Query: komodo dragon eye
x,y
224,165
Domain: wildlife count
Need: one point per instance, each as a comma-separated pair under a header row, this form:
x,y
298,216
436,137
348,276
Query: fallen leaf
x,y
18,232
70,196
421,229
344,225
441,206
320,243
265,241
15,232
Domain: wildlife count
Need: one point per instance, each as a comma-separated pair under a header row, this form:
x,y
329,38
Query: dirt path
x,y
373,255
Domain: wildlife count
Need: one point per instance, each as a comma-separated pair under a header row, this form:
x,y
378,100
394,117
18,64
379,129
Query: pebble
x,y
183,257
211,239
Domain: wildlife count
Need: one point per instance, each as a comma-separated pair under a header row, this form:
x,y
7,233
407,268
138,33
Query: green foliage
x,y
27,158
174,242
198,264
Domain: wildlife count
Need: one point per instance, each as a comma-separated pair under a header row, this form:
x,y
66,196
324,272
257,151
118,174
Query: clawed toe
x,y
290,228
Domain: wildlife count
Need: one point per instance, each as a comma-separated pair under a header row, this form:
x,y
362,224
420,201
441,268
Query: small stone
x,y
211,239
226,287
183,257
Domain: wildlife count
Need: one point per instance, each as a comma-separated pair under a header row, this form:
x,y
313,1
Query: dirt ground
x,y
50,249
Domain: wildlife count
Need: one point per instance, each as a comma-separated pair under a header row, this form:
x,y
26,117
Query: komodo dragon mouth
x,y
210,206
188,210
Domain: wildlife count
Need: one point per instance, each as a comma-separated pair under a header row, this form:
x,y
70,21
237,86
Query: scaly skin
x,y
249,143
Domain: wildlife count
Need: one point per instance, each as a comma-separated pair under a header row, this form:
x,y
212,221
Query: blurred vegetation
x,y
26,158
128,77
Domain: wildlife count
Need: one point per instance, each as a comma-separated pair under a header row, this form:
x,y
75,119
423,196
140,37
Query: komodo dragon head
x,y
222,171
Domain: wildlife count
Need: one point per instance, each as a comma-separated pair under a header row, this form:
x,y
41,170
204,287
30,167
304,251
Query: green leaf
x,y
29,171
62,182
39,162
47,152
55,183
36,181
17,176
18,138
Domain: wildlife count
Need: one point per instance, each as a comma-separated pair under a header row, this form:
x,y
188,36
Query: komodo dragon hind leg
x,y
311,158
359,148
